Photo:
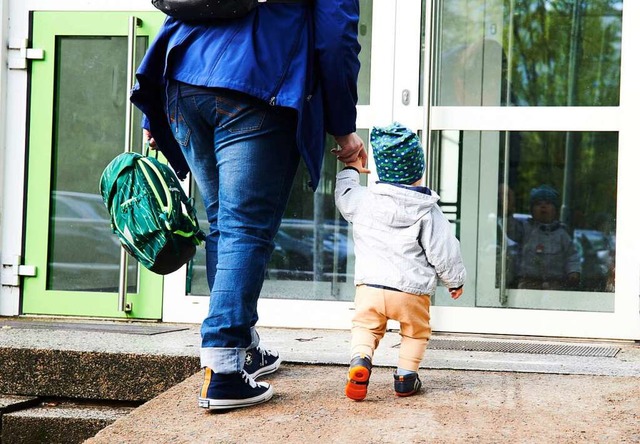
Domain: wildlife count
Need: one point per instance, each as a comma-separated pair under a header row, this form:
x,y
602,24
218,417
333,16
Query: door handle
x,y
406,96
134,23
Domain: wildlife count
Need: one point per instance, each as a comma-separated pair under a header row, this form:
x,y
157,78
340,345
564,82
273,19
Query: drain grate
x,y
539,348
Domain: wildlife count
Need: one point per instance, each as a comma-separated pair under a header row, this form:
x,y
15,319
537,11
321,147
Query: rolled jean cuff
x,y
223,360
255,338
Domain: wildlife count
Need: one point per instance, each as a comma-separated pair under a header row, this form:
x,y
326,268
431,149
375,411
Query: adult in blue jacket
x,y
238,102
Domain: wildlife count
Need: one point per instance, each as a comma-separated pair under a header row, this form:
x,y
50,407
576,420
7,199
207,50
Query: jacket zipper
x,y
272,100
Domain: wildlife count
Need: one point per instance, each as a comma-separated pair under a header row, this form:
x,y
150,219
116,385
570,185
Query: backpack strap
x,y
109,178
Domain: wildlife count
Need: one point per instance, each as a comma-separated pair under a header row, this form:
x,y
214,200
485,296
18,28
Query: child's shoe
x,y
359,373
260,361
406,385
230,391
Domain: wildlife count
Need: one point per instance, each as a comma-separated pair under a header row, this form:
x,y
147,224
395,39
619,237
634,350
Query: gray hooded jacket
x,y
402,239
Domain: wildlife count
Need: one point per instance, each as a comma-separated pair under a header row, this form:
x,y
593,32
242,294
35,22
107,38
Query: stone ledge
x,y
91,375
51,423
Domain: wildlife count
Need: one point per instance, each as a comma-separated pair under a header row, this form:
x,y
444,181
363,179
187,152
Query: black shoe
x,y
406,385
230,391
259,362
359,374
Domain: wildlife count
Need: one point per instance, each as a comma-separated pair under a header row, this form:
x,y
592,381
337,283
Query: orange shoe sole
x,y
358,383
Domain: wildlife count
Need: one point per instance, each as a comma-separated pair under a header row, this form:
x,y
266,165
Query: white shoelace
x,y
249,380
264,351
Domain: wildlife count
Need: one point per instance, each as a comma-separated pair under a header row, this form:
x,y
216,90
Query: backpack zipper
x,y
168,207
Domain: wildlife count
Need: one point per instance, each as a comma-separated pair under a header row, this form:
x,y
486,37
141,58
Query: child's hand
x,y
360,165
455,292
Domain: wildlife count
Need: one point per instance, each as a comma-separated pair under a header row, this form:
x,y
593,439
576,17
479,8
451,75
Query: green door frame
x,y
36,298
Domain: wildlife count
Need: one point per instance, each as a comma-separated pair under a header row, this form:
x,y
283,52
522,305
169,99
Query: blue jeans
x,y
243,155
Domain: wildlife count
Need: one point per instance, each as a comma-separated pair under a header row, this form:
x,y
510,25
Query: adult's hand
x,y
350,148
149,138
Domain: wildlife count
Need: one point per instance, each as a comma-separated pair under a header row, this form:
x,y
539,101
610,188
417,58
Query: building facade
x,y
528,116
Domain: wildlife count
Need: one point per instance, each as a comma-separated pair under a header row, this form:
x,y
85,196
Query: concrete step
x,y
10,403
55,422
91,375
68,380
97,360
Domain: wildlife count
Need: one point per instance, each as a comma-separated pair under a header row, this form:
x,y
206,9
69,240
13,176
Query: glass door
x,y
79,93
310,277
515,102
525,143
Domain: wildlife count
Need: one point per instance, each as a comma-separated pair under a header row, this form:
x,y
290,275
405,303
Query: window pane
x,y
553,245
561,211
522,53
313,256
88,133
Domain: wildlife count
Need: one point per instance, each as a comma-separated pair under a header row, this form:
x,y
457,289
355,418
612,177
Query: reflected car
x,y
301,258
597,257
84,254
295,252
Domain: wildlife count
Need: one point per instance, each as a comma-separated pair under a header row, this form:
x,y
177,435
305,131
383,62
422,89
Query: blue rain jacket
x,y
294,55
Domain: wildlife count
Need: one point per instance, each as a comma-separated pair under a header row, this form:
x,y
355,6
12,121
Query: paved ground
x,y
455,406
476,397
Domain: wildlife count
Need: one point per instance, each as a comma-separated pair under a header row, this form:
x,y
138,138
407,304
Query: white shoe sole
x,y
222,404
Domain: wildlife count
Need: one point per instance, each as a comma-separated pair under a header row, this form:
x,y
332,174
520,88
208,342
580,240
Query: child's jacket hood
x,y
402,206
402,239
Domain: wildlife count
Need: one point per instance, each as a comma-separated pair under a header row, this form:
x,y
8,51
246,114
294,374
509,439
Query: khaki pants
x,y
374,306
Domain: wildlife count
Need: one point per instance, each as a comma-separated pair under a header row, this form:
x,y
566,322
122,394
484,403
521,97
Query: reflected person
x,y
548,259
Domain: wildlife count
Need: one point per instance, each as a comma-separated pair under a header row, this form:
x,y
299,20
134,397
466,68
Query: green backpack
x,y
150,213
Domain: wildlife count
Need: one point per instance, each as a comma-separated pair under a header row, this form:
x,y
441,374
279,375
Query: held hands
x,y
360,165
350,149
455,292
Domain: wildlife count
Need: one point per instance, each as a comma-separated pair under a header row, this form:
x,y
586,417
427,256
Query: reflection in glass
x,y
552,245
561,211
522,53
544,256
313,256
88,134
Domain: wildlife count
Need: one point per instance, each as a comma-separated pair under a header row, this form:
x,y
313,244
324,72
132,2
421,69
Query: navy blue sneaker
x,y
406,385
259,362
358,381
232,391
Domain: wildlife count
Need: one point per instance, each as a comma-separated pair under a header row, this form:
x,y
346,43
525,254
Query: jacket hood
x,y
402,206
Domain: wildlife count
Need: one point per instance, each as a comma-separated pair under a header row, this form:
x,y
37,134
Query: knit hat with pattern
x,y
545,193
398,154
